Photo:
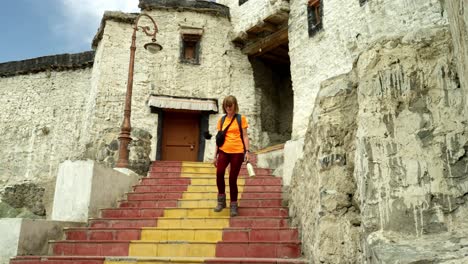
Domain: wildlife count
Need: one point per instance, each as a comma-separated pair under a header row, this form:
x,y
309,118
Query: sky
x,y
36,28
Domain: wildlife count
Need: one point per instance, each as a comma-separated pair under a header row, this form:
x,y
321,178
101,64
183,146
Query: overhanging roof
x,y
183,103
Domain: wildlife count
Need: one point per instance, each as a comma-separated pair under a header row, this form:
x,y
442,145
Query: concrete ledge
x,y
293,151
85,187
22,237
273,158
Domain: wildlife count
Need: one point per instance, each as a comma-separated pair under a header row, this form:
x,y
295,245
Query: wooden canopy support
x,y
268,43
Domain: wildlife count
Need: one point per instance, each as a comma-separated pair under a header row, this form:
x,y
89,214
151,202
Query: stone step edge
x,y
296,242
206,185
211,176
181,228
187,208
205,199
169,259
185,192
192,218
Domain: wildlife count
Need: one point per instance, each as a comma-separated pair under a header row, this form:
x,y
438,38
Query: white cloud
x,y
81,19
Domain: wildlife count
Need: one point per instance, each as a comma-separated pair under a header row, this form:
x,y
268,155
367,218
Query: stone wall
x,y
348,28
457,11
322,189
385,155
41,121
243,18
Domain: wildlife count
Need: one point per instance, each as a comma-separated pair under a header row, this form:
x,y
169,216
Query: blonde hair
x,y
230,100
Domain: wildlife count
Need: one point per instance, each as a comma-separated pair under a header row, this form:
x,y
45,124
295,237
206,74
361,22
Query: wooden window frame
x,y
362,2
190,43
314,16
241,2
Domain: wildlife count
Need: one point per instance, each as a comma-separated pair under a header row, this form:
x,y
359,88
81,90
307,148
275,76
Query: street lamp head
x,y
153,46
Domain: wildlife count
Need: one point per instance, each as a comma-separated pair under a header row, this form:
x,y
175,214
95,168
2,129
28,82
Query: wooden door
x,y
181,136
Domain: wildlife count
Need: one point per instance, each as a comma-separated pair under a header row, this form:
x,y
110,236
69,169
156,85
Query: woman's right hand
x,y
215,161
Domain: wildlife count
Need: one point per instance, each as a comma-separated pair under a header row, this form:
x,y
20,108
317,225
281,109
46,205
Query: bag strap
x,y
239,123
222,122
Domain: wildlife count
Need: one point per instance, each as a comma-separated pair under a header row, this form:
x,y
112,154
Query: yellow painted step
x,y
193,212
197,164
211,170
197,203
219,222
172,249
198,175
154,260
182,234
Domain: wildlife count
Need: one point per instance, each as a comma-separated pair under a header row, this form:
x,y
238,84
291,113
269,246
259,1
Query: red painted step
x,y
165,169
149,203
132,212
264,195
278,249
122,222
241,221
154,196
161,188
163,181
87,233
260,234
90,248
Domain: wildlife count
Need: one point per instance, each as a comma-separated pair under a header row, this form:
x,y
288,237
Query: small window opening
x,y
314,16
362,2
190,48
241,2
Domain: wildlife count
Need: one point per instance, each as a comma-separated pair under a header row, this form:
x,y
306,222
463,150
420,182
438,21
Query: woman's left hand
x,y
246,157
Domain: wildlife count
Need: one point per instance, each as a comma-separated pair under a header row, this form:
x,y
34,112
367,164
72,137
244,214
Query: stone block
x,y
84,187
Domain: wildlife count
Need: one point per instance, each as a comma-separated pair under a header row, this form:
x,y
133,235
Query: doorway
x,y
273,85
180,136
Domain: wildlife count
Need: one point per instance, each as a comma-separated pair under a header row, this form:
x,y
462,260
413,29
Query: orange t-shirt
x,y
233,141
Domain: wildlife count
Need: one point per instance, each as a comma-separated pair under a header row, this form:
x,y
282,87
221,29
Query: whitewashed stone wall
x,y
385,152
223,70
252,12
348,28
41,121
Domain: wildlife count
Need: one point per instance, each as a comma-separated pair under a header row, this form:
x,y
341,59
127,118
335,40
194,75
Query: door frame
x,y
203,126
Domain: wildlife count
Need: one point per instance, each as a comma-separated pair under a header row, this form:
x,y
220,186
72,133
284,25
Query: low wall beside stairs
x,y
84,187
29,236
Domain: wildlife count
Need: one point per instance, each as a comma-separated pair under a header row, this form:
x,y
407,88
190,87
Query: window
x,y
362,2
314,16
190,48
241,2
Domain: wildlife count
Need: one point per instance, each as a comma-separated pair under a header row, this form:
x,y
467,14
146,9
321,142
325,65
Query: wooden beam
x,y
267,43
272,58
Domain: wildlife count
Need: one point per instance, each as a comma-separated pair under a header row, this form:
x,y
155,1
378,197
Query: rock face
x,y
385,151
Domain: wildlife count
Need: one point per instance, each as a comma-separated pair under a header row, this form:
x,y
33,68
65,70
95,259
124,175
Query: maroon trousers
x,y
224,159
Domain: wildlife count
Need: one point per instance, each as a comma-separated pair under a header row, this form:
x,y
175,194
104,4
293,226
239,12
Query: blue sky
x,y
36,28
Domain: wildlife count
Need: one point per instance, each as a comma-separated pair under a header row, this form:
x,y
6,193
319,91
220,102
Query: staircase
x,y
169,218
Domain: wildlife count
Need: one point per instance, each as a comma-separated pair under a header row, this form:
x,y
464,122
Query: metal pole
x,y
126,128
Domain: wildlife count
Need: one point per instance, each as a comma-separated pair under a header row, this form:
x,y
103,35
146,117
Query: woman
x,y
234,151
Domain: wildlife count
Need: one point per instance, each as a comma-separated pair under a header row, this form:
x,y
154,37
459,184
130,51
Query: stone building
x,y
369,98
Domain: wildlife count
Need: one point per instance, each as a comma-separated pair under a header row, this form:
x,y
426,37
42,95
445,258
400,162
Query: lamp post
x,y
153,47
